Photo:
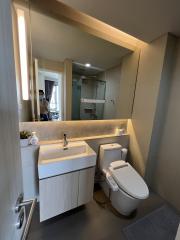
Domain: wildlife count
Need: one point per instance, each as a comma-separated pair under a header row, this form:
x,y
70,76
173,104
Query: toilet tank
x,y
109,153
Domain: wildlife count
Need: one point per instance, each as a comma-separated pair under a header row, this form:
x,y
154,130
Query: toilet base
x,y
121,201
124,203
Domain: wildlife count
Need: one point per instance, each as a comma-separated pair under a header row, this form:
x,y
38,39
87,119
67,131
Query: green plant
x,y
25,134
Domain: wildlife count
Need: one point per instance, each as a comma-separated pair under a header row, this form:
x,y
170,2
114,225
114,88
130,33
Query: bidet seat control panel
x,y
112,184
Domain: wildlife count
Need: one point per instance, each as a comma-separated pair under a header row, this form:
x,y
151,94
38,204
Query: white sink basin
x,y
54,160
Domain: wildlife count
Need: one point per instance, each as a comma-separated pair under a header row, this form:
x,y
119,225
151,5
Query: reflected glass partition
x,y
88,98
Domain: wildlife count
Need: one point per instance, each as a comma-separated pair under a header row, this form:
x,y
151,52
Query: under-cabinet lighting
x,y
23,54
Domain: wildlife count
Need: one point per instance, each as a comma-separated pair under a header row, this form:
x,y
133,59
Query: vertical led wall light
x,y
23,53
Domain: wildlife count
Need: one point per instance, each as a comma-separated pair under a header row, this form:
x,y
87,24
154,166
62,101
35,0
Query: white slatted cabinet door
x,y
86,185
58,194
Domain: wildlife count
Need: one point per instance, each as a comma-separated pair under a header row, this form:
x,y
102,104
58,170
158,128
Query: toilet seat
x,y
128,179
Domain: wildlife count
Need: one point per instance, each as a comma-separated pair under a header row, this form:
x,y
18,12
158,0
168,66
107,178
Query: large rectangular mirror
x,y
74,75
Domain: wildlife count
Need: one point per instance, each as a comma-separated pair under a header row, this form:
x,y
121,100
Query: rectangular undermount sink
x,y
54,160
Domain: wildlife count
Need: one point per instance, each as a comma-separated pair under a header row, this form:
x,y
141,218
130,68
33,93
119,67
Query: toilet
x,y
123,185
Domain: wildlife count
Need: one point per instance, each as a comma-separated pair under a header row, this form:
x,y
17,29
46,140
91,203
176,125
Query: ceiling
x,y
144,19
85,71
54,40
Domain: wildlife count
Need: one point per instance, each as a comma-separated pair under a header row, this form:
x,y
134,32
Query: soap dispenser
x,y
34,139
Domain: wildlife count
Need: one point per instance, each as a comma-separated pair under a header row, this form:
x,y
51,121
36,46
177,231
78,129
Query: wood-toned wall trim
x,y
67,89
86,23
55,66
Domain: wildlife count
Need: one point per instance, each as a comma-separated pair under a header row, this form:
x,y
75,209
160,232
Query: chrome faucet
x,y
65,142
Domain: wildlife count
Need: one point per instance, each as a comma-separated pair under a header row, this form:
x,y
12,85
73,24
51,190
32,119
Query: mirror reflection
x,y
50,95
88,96
76,75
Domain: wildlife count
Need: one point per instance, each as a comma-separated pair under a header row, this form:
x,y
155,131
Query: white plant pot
x,y
24,142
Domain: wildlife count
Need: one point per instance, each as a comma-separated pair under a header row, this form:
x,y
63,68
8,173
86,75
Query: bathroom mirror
x,y
76,75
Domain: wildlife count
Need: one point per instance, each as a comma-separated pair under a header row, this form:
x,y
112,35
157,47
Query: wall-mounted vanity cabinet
x,y
64,192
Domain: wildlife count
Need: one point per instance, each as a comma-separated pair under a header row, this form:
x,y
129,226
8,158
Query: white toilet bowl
x,y
130,190
127,187
124,203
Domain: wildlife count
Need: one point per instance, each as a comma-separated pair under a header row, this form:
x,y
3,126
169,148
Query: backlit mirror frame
x,y
88,24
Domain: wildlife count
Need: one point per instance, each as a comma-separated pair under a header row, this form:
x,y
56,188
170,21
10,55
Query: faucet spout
x,y
65,142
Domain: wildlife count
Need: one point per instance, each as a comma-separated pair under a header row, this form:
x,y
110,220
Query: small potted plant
x,y
24,138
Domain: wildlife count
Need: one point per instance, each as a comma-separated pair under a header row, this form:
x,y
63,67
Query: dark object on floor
x,y
161,224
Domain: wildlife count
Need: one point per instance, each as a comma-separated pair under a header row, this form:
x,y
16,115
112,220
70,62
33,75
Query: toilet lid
x,y
129,180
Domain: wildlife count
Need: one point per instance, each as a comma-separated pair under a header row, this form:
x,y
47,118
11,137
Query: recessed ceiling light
x,y
87,65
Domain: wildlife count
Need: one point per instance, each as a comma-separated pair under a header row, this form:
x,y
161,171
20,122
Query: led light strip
x,y
23,54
